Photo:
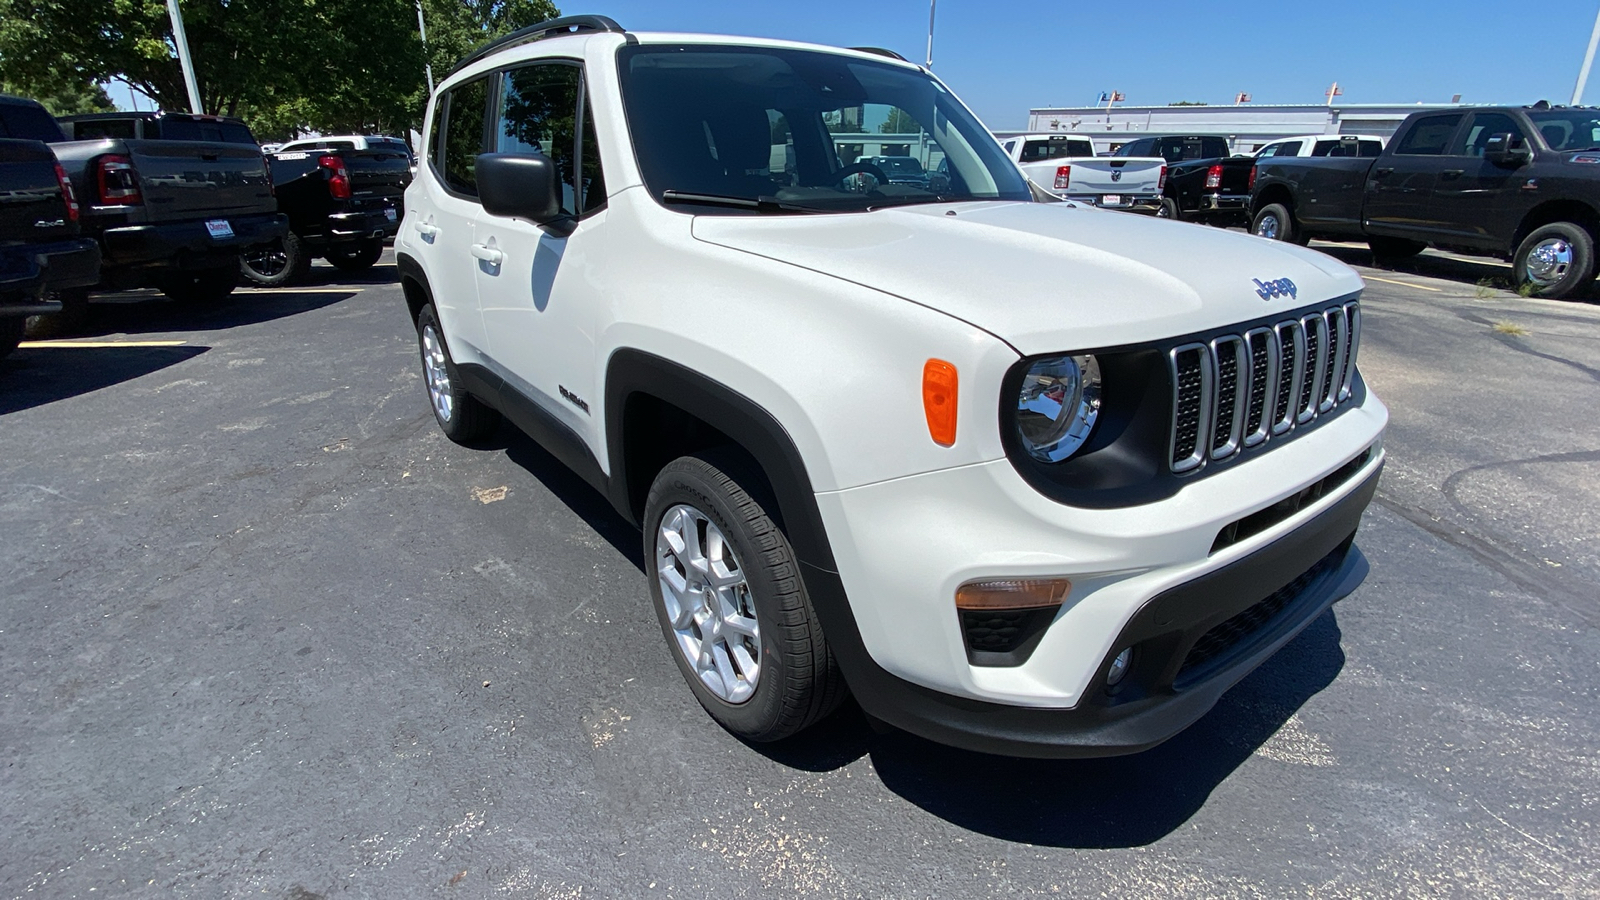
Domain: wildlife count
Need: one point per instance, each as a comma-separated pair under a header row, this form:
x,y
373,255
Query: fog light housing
x,y
1119,667
1003,619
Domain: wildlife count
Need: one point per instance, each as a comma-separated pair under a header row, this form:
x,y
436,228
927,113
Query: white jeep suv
x,y
1023,476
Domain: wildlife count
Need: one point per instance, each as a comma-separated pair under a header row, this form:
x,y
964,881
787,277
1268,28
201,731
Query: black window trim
x,y
447,96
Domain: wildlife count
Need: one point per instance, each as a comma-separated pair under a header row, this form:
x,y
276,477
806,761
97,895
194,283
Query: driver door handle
x,y
426,230
1451,174
1382,172
488,254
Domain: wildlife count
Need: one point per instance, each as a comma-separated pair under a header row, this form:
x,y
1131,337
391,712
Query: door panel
x,y
1400,188
445,233
1471,191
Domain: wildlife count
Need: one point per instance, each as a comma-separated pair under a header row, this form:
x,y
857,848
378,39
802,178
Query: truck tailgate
x,y
376,174
193,179
1126,175
31,206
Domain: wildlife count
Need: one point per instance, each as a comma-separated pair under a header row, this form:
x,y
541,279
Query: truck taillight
x,y
1161,182
67,193
116,181
1063,177
338,176
1214,177
1252,184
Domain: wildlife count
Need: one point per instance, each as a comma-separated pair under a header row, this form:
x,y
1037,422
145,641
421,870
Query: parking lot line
x,y
94,345
1420,287
331,290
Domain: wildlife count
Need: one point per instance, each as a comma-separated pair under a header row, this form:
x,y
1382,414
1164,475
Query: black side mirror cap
x,y
521,186
1507,150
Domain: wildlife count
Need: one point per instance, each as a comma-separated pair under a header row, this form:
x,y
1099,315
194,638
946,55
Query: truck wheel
x,y
276,264
462,417
1554,261
1394,249
10,334
201,286
356,257
727,590
1275,223
1169,210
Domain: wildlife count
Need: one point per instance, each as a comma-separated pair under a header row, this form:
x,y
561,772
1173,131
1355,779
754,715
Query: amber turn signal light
x,y
939,390
1013,593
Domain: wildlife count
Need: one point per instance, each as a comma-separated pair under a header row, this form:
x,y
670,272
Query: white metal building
x,y
1247,126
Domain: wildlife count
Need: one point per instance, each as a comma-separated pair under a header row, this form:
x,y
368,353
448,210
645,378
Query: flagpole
x,y
184,60
1588,60
933,6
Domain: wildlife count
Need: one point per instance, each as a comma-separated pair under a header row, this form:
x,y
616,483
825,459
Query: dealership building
x,y
1248,126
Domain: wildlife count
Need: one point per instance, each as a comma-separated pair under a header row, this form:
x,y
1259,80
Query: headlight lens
x,y
1058,405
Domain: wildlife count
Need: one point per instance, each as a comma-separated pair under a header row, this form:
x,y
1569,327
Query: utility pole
x,y
427,65
1588,60
933,6
184,60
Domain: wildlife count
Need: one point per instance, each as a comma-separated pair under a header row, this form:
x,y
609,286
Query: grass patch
x,y
1508,328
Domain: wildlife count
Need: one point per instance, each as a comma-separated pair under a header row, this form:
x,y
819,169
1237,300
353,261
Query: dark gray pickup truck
x,y
1518,183
173,214
41,252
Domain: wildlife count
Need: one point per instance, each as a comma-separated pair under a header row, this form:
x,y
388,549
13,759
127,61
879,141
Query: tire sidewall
x,y
1582,271
295,264
1285,223
680,484
458,395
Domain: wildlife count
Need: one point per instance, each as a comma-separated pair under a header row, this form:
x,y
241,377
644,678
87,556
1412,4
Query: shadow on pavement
x,y
1468,272
34,376
1126,801
569,489
146,312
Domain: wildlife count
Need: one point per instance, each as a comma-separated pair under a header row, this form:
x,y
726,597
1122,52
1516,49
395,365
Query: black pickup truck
x,y
342,205
174,214
41,253
1518,183
1205,182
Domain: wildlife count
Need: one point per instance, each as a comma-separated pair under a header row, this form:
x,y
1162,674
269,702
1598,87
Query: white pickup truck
x,y
1065,165
1368,145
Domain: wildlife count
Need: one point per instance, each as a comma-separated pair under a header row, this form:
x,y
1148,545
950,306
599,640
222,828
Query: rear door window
x,y
461,138
1429,135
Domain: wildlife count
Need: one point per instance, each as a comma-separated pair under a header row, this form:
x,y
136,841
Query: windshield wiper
x,y
759,204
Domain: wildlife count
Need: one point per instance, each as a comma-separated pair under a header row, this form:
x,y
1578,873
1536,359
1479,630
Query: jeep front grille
x,y
1238,391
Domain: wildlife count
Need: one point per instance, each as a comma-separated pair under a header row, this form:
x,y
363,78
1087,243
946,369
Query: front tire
x,y
462,417
1554,261
201,286
732,605
279,263
356,257
1275,223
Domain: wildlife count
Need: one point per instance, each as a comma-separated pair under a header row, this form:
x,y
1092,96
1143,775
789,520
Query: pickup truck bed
x,y
1204,182
1066,166
342,205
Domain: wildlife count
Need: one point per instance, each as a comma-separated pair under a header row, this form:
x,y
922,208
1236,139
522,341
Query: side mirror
x,y
520,186
1507,151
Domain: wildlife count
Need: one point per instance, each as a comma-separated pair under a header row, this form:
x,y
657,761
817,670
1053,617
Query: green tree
x,y
283,65
63,96
899,122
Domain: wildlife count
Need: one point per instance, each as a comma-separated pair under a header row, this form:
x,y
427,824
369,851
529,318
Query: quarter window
x,y
1429,136
457,151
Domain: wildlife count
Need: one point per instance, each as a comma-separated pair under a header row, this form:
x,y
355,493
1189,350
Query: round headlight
x,y
1057,407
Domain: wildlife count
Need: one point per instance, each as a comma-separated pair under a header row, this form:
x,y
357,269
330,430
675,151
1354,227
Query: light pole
x,y
1588,60
933,6
184,61
423,30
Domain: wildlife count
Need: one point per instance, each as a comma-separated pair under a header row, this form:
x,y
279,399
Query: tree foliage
x,y
64,96
283,65
899,122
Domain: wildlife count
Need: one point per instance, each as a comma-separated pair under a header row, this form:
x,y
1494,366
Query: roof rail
x,y
881,52
540,31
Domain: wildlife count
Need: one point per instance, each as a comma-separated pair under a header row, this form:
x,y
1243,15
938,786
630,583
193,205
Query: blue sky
x,y
1005,58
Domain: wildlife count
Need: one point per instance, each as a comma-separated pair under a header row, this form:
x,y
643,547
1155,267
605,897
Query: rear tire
x,y
200,286
462,417
1555,261
1394,249
356,257
277,264
732,603
1275,223
1169,210
10,334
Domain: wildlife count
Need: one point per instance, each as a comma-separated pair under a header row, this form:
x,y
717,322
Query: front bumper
x,y
901,548
29,273
188,245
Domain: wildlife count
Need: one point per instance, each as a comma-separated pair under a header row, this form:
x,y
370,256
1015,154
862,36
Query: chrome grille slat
x,y
1238,391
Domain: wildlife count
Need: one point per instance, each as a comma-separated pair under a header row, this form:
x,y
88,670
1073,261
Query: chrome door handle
x,y
488,254
1451,174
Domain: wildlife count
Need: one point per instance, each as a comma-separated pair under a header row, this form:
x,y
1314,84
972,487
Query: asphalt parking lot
x,y
264,631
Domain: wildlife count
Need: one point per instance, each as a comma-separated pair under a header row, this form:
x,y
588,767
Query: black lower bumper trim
x,y
188,245
30,272
1147,709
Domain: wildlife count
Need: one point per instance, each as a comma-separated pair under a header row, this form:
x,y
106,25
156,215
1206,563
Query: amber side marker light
x,y
939,392
1013,593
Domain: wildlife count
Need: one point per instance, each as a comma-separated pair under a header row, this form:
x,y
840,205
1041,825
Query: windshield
x,y
1568,129
811,130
